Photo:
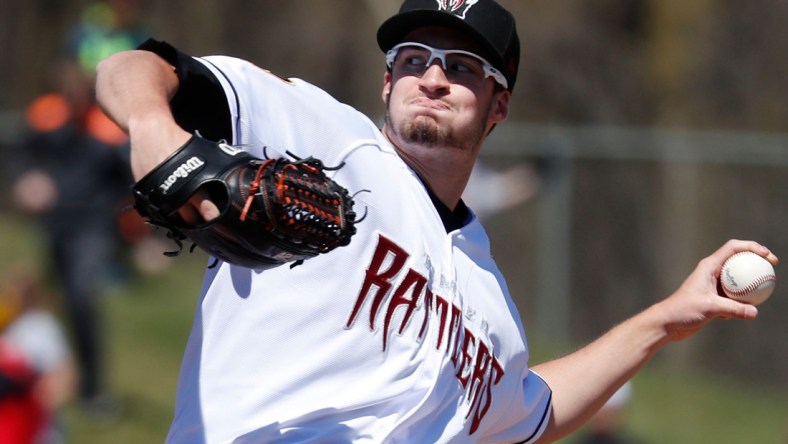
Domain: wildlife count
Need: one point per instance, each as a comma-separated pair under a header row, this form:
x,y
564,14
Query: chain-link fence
x,y
620,216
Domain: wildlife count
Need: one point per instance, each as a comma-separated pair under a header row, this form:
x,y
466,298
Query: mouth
x,y
424,102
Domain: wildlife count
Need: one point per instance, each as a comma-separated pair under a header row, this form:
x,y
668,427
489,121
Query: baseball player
x,y
406,334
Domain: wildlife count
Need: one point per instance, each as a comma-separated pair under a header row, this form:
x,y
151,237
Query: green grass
x,y
148,322
148,325
672,407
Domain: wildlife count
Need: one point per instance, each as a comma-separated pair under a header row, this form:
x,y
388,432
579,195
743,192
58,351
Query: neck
x,y
448,191
444,170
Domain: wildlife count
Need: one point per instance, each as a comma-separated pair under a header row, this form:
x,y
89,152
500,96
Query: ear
x,y
386,87
500,106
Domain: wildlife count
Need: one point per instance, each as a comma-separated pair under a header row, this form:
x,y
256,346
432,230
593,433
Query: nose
x,y
434,78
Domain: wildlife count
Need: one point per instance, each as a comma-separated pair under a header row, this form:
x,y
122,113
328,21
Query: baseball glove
x,y
273,211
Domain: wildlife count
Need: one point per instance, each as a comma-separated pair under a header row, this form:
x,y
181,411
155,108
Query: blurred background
x,y
643,134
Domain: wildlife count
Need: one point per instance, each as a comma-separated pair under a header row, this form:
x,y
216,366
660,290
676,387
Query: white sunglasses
x,y
459,65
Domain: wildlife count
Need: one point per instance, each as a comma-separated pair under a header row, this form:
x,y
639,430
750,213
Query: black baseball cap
x,y
488,22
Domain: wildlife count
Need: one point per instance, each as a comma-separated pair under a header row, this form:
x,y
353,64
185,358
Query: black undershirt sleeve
x,y
200,103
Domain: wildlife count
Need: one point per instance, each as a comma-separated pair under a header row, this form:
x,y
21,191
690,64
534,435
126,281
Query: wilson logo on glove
x,y
181,172
272,211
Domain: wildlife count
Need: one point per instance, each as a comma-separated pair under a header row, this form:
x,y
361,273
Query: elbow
x,y
110,63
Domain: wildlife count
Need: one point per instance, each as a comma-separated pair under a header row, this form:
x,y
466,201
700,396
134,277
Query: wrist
x,y
153,138
151,122
647,331
656,321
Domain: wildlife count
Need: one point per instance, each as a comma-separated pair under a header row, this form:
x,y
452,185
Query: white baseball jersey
x,y
407,335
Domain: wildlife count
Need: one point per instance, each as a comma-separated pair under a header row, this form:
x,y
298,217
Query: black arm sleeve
x,y
200,103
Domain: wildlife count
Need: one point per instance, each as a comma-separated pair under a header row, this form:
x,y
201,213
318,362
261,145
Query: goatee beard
x,y
426,132
422,132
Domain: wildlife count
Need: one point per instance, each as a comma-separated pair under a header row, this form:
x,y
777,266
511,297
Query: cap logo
x,y
456,7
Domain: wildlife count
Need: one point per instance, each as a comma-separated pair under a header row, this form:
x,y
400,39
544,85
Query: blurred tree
x,y
705,63
702,64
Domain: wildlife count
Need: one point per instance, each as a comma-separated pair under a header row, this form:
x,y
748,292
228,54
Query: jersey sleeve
x,y
288,116
538,406
200,103
528,416
268,115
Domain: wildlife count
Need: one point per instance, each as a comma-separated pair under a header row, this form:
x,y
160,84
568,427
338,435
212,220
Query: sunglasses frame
x,y
440,54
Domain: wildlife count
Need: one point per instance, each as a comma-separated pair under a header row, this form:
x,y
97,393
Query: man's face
x,y
437,108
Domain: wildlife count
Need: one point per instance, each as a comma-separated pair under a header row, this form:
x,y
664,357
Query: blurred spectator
x,y
105,28
72,172
36,371
607,425
490,190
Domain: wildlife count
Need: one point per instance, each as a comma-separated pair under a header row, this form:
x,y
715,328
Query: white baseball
x,y
747,277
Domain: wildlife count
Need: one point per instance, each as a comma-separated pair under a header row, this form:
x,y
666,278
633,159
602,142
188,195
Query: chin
x,y
423,130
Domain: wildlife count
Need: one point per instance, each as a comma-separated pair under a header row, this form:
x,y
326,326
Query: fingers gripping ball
x,y
272,211
748,278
